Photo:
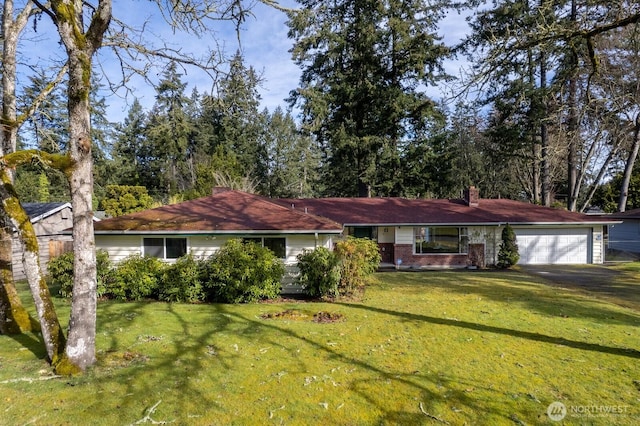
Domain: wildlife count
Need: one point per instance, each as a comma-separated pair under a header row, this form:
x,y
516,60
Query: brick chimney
x,y
219,189
472,196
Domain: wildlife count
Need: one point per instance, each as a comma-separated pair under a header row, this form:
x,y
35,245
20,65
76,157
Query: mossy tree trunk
x,y
52,333
81,42
14,318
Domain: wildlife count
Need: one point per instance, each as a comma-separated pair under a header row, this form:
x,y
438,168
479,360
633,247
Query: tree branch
x,y
46,10
63,163
42,96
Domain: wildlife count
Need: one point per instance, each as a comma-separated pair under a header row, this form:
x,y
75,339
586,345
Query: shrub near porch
x,y
421,348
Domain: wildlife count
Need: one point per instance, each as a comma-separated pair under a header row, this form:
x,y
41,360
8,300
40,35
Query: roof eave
x,y
500,223
50,212
226,232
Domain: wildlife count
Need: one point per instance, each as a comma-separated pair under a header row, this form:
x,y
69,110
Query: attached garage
x,y
542,246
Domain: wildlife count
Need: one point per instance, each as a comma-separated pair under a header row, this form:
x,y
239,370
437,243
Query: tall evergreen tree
x,y
168,134
536,62
238,124
364,62
102,134
130,139
293,158
47,130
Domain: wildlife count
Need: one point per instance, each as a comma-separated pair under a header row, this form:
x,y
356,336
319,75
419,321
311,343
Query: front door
x,y
386,252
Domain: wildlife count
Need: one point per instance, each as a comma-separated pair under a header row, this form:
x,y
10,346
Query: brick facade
x,y
405,252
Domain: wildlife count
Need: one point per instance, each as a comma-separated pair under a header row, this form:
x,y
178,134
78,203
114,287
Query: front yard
x,y
421,348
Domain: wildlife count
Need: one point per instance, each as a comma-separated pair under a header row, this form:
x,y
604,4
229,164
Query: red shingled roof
x,y
402,211
236,211
227,211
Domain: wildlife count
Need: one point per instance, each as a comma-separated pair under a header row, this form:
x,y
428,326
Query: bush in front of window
x,y
61,273
319,272
136,278
359,258
341,272
508,254
241,273
181,282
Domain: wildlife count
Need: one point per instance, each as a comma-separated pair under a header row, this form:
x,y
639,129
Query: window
x,y
446,239
164,248
370,232
277,245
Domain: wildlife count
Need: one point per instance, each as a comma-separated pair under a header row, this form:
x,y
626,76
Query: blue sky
x,y
263,40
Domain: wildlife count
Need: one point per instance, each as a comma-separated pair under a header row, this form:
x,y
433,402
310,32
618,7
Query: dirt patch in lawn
x,y
327,317
289,314
322,317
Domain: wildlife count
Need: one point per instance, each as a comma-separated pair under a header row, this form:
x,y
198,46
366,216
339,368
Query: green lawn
x,y
485,348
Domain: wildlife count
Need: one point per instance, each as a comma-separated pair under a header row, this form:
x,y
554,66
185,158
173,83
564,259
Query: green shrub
x,y
508,254
319,272
180,282
240,273
61,273
136,278
359,258
124,199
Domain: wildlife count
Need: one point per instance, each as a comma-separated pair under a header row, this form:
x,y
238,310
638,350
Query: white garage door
x,y
553,246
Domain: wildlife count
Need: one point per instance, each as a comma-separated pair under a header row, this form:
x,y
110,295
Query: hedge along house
x,y
202,226
423,233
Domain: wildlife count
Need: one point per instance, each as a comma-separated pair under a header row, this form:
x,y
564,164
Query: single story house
x,y
49,220
422,233
411,233
203,225
625,236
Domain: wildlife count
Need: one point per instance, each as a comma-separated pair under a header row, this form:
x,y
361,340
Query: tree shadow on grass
x,y
32,341
176,369
182,363
429,398
515,287
537,337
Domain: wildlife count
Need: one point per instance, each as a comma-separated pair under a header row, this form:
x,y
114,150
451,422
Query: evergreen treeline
x,y
554,121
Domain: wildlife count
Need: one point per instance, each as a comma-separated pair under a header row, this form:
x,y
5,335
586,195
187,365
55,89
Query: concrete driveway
x,y
600,280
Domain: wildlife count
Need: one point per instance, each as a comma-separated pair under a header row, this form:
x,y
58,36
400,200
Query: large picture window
x,y
277,245
445,239
164,248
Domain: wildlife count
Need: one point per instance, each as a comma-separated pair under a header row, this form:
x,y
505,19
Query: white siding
x,y
296,244
598,245
202,246
119,247
404,235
